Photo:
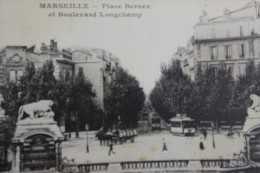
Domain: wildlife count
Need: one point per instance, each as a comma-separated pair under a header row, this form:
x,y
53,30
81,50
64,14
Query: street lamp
x,y
247,149
87,128
213,141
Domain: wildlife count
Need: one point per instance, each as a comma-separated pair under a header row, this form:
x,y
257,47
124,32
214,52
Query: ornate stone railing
x,y
223,163
154,164
83,168
69,166
215,163
199,165
93,167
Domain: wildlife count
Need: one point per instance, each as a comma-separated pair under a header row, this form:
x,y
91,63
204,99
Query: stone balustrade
x,y
154,164
205,164
83,168
223,163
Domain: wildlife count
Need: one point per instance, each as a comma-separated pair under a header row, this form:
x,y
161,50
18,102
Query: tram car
x,y
182,125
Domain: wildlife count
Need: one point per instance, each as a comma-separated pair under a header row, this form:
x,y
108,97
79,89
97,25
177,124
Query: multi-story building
x,y
186,57
232,39
13,60
98,65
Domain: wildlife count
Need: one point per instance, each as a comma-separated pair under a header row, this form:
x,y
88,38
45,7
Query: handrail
x,y
223,163
157,164
154,164
82,168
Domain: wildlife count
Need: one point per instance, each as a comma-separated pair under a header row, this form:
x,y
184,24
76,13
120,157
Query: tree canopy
x,y
124,99
213,95
171,93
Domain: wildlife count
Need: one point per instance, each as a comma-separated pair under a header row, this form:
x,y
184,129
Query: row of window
x,y
15,74
230,67
228,51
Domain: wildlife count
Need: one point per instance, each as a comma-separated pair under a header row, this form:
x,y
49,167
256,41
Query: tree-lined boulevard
x,y
213,96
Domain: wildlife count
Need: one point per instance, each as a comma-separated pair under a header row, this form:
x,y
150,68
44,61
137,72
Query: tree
x,y
204,81
11,99
47,81
7,132
61,96
246,84
28,84
220,94
212,91
171,94
124,99
81,94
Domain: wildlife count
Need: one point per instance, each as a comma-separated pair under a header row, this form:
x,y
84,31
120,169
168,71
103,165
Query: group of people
x,y
231,132
239,159
164,146
111,137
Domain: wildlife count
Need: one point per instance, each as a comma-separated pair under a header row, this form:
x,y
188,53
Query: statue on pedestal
x,y
35,129
36,110
254,109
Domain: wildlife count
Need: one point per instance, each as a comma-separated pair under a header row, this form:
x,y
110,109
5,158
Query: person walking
x,y
111,149
202,146
164,146
205,133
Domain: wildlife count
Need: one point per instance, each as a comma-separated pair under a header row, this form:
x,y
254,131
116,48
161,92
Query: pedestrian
x,y
111,149
205,133
238,133
201,146
164,146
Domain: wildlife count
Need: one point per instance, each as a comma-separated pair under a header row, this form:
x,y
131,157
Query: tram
x,y
182,125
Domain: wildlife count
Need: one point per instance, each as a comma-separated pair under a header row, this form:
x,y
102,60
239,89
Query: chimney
x,y
204,17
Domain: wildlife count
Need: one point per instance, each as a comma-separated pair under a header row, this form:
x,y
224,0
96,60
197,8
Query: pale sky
x,y
140,44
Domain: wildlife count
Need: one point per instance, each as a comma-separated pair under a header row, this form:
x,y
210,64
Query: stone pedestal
x,y
36,145
251,131
251,123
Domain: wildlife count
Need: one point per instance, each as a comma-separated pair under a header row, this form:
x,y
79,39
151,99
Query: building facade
x,y
13,60
98,65
233,38
186,57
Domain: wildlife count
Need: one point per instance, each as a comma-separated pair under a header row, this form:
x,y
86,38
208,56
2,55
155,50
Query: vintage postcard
x,y
125,86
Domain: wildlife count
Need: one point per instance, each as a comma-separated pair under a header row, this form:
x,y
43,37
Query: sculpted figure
x,y
36,110
254,109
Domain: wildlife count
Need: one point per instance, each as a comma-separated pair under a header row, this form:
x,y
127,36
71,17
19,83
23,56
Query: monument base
x,y
36,145
251,123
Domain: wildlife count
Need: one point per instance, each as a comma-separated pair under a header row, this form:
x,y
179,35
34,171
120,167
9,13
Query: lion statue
x,y
36,110
254,109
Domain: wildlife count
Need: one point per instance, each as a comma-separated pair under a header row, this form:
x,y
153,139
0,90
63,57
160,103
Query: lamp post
x,y
87,128
213,140
247,146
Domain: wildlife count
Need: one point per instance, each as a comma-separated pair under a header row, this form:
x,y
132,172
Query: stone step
x,y
194,165
114,167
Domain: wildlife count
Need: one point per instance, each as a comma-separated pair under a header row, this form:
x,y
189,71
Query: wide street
x,y
149,147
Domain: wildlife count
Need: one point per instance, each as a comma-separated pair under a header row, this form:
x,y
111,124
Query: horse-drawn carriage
x,y
116,136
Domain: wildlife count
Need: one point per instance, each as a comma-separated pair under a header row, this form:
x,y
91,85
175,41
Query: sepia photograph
x,y
130,86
